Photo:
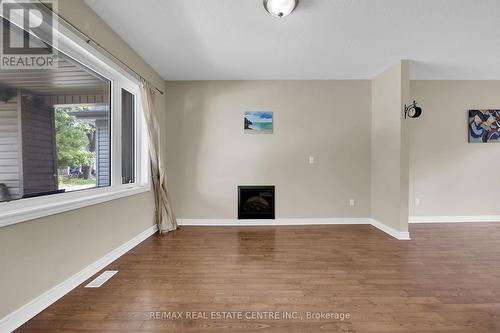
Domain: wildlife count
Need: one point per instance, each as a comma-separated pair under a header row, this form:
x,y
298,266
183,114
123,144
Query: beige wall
x,y
208,155
38,254
450,176
389,147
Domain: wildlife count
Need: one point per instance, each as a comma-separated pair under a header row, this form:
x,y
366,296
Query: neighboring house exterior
x,y
11,171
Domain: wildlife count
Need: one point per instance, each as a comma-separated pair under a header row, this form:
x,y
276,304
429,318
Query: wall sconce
x,y
413,110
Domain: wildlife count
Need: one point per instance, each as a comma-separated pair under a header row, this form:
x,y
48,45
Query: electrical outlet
x,y
417,202
351,202
311,159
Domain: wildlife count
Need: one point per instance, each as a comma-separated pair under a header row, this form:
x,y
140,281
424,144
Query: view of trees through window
x,y
76,148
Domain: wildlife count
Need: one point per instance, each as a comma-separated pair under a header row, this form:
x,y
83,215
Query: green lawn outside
x,y
76,181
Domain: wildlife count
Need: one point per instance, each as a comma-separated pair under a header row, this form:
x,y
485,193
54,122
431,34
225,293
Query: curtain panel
x,y
164,214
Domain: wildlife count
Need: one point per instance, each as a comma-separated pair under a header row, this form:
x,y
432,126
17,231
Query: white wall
x,y
450,176
208,155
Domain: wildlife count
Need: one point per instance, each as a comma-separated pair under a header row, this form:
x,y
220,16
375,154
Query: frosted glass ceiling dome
x,y
280,8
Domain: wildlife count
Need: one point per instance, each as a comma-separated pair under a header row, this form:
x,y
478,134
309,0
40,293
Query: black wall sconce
x,y
413,110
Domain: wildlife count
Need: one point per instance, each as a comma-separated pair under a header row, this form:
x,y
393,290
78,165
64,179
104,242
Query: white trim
x,y
455,219
295,221
26,209
101,279
12,321
400,235
282,221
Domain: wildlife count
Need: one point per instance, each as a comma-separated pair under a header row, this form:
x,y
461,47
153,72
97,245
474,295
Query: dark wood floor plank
x,y
446,279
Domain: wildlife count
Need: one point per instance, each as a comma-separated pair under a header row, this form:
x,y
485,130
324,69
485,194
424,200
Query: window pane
x,y
128,134
54,130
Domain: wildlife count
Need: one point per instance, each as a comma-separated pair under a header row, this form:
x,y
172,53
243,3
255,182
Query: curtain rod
x,y
89,40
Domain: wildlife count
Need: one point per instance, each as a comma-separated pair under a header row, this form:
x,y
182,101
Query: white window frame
x,y
22,210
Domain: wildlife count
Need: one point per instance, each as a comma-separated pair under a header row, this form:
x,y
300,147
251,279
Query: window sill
x,y
28,209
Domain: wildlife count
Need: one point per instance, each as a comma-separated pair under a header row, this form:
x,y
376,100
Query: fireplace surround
x,y
255,202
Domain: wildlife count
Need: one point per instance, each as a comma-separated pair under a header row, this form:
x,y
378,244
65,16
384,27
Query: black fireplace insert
x,y
255,202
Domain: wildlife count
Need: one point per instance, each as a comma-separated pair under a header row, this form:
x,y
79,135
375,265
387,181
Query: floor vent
x,y
101,279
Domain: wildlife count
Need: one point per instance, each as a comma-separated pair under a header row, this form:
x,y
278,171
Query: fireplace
x,y
255,202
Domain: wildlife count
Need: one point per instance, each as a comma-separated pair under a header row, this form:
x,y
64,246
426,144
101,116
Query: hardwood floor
x,y
446,279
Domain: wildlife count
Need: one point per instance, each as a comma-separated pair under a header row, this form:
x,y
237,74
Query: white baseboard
x,y
12,321
281,221
454,219
295,221
401,235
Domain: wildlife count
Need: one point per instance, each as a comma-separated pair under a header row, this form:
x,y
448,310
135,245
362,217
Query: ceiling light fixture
x,y
280,8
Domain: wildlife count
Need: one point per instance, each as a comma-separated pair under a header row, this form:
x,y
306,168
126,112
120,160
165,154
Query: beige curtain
x,y
164,215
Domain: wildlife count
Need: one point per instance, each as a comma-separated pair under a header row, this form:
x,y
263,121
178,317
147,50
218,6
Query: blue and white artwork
x,y
258,122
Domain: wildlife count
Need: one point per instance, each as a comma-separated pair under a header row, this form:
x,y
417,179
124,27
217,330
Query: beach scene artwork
x,y
258,122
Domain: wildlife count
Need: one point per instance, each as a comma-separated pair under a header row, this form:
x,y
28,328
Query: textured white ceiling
x,y
321,39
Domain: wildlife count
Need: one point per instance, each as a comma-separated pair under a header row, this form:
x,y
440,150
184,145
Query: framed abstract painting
x,y
258,122
484,126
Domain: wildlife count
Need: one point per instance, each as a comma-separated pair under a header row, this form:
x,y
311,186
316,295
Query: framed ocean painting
x,y
258,122
484,126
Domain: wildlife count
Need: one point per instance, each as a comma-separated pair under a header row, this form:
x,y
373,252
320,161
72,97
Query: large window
x,y
70,135
55,134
